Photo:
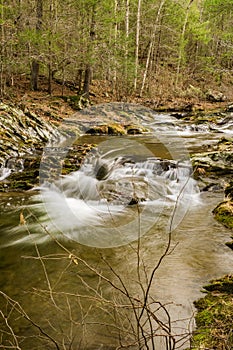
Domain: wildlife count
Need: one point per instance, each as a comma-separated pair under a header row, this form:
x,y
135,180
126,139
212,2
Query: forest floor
x,y
64,100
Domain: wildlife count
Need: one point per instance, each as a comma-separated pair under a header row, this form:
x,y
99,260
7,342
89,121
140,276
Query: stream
x,y
133,197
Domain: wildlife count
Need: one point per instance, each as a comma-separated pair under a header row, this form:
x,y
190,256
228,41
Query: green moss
x,y
135,129
116,129
224,213
222,285
76,102
107,129
214,316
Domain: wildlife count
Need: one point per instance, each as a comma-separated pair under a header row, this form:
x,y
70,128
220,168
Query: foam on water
x,y
131,197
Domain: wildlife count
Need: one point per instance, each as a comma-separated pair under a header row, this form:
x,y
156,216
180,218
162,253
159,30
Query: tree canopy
x,y
135,45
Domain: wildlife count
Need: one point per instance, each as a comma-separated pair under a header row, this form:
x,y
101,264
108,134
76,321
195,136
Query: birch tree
x,y
137,42
182,42
151,44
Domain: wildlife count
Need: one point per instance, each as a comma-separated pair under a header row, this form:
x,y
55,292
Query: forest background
x,y
156,49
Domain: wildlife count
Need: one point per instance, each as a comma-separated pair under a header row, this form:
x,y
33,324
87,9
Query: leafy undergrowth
x,y
214,317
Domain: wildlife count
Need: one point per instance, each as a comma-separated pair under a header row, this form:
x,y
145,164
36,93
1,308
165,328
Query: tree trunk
x,y
88,70
35,66
78,80
151,45
2,55
181,48
137,43
34,75
50,78
127,8
87,81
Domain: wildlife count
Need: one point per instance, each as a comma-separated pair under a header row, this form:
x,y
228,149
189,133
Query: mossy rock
x,y
214,316
47,168
224,213
226,140
98,130
74,157
213,163
19,181
132,129
229,190
221,285
77,102
107,129
116,129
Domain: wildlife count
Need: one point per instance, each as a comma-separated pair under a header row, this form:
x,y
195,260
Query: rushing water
x,y
86,225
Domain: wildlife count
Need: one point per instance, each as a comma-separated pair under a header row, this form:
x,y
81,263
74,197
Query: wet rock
x,y
218,161
179,115
20,132
227,119
213,187
103,168
230,244
135,200
213,163
110,129
222,285
229,191
31,170
23,136
224,210
127,191
132,129
116,129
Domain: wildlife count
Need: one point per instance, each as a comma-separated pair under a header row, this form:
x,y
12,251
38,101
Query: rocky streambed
x,y
213,168
24,136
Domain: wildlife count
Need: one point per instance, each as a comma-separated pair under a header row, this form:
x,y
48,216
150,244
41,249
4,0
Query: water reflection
x,y
74,305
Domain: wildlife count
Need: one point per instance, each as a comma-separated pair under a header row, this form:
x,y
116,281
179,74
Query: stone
x,y
215,96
